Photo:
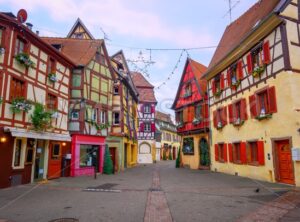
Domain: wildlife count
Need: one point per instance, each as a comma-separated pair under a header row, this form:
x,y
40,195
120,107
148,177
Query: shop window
x,y
55,151
18,153
188,146
256,153
17,89
75,115
89,155
116,118
221,152
263,103
238,112
51,66
51,102
259,56
220,117
19,46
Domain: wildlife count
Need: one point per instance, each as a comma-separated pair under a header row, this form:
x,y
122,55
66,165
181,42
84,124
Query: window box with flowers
x,y
19,105
24,59
41,119
52,77
238,112
197,120
258,70
220,118
238,122
235,75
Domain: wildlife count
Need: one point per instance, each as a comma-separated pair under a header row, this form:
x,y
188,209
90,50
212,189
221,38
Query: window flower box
x,y
238,122
263,116
218,93
235,84
23,59
197,120
19,105
52,77
258,70
179,125
220,126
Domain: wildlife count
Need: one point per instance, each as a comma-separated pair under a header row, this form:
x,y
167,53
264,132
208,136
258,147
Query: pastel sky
x,y
138,25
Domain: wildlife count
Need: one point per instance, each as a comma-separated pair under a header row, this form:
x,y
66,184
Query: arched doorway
x,y
204,154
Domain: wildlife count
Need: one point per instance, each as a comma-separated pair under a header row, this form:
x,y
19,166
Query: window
x,y
89,155
187,90
255,153
263,103
179,116
2,31
237,112
18,153
198,111
75,115
218,83
17,89
238,152
116,118
78,35
188,146
147,108
235,74
51,66
97,56
29,155
103,117
220,117
258,56
94,114
76,80
116,90
55,151
19,46
147,127
51,102
221,152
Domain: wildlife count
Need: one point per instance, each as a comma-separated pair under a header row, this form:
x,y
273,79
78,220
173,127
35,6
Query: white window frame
x,y
23,151
114,123
103,117
147,108
147,127
75,118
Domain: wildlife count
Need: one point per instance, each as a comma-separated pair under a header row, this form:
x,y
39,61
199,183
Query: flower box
x,y
196,121
52,77
263,116
236,84
219,125
238,122
257,71
19,105
218,93
23,59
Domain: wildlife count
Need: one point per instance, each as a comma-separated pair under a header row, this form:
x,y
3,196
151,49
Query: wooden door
x,y
285,163
174,153
54,165
112,152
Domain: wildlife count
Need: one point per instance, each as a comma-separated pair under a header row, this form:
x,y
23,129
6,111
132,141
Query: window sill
x,y
266,116
238,162
254,164
222,161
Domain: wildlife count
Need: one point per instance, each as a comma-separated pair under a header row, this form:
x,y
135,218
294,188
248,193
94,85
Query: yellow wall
x,y
131,151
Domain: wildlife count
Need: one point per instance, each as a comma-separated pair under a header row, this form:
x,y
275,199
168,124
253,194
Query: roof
x,y
79,23
163,116
238,30
80,51
144,88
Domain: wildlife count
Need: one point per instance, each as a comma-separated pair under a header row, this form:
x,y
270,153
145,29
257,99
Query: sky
x,y
136,26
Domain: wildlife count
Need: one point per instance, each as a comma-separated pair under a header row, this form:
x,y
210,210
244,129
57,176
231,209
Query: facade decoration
x,y
90,112
30,151
146,118
259,117
192,117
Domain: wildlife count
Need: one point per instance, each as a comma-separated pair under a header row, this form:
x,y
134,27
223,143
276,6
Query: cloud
x,y
117,17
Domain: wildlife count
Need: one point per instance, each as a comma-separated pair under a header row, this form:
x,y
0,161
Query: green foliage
x,y
1,100
164,155
24,59
218,93
41,119
170,155
178,159
257,71
20,104
52,77
98,126
108,167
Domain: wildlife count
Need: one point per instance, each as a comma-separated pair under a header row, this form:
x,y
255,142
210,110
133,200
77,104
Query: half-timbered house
x,y
192,117
90,113
34,103
122,141
146,118
254,94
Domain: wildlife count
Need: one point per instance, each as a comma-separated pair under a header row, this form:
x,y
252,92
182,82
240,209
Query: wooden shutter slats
x,y
253,106
229,76
243,152
222,82
213,85
240,74
244,115
215,120
272,100
230,153
249,63
266,50
224,116
185,115
230,111
261,153
216,152
225,152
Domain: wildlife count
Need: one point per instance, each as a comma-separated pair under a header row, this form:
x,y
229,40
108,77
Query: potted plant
x,y
41,119
52,77
219,125
258,70
238,122
24,59
196,120
218,93
19,105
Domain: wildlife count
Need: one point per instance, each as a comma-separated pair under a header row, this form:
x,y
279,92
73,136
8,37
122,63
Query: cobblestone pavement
x,y
151,193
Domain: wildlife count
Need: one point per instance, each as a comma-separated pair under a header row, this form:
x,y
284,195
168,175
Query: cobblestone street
x,y
157,192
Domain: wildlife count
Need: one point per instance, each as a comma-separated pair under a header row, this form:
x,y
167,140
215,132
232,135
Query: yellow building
x,y
123,137
253,88
170,140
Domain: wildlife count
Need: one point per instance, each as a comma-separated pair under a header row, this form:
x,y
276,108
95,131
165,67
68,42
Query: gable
x,y
79,31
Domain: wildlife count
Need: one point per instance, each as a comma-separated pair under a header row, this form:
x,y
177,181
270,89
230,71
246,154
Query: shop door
x,y
285,164
204,153
125,155
39,160
112,152
28,160
54,166
174,153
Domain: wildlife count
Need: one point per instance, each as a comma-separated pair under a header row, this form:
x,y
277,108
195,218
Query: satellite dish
x,y
22,15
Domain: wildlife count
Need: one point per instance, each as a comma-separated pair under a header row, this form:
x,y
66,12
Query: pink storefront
x,y
87,155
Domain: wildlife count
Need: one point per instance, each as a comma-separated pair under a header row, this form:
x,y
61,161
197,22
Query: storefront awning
x,y
16,132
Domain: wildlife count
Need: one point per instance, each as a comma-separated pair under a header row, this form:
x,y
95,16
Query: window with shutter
x,y
272,100
152,127
216,152
17,89
255,152
215,119
185,115
20,46
253,106
51,102
229,77
249,64
230,154
240,70
225,152
224,116
237,155
222,82
230,111
266,51
261,152
243,148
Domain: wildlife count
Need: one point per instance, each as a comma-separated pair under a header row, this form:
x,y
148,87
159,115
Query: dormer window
x,y
188,90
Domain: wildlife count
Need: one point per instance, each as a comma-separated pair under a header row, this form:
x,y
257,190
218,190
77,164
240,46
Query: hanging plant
x,y
97,125
19,105
41,119
24,59
218,93
258,70
52,77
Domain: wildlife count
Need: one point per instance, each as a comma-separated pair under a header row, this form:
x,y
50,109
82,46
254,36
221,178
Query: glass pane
x,y
18,153
76,80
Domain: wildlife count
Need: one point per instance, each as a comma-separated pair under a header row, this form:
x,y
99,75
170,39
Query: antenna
x,y
231,4
105,36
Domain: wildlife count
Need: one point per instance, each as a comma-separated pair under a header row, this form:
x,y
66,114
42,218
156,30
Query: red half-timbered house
x,y
192,117
34,80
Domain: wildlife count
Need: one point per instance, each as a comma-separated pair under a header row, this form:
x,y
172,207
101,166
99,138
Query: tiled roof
x,y
80,51
163,116
199,70
144,88
239,29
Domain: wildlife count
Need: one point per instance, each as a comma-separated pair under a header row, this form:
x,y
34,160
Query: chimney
x,y
37,32
29,25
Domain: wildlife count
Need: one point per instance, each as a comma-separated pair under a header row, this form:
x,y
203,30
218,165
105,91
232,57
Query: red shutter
x,y
213,85
216,152
215,120
243,152
153,127
225,152
249,63
222,82
230,111
272,100
230,152
224,116
152,108
240,70
244,115
142,127
266,48
229,77
260,152
253,106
